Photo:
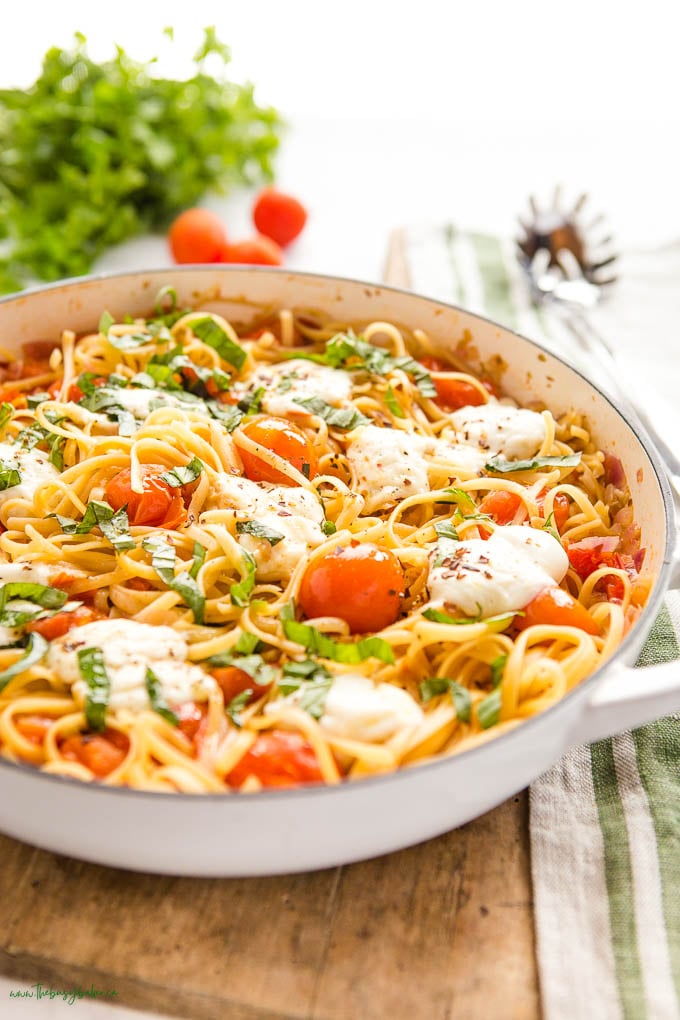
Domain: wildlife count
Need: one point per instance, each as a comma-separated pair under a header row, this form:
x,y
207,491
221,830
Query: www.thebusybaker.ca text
x,y
69,995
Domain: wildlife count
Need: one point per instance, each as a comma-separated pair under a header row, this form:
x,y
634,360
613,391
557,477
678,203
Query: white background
x,y
403,112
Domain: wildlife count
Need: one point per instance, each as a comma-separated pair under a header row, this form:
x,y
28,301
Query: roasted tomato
x,y
233,681
160,505
56,626
284,439
360,583
278,758
101,753
556,607
454,393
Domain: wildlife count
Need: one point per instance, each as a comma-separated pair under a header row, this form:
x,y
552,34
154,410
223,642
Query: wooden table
x,y
441,931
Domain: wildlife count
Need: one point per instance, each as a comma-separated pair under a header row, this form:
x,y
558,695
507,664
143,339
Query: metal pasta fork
x,y
571,269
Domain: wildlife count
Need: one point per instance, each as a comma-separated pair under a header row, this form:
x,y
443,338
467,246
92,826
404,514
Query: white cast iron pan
x,y
315,827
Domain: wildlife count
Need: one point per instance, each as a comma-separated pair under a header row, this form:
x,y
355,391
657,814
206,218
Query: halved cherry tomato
x,y
56,626
158,506
360,583
191,717
501,505
560,511
197,235
279,216
233,681
75,394
33,727
101,753
278,758
284,439
259,251
591,553
556,607
454,393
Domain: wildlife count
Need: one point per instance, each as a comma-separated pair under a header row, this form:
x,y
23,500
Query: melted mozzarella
x,y
34,468
359,709
356,708
293,512
30,573
500,429
138,401
500,575
297,379
462,460
388,464
129,648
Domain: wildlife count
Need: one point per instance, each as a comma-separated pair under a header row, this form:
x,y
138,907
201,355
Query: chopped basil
x,y
460,695
184,474
247,643
129,341
437,616
35,433
489,710
113,524
34,400
459,496
501,466
157,699
241,591
328,528
445,529
497,669
228,415
336,417
238,703
106,322
251,403
212,334
313,681
6,413
199,553
43,596
163,558
10,475
93,672
351,352
35,649
258,530
393,404
315,641
287,611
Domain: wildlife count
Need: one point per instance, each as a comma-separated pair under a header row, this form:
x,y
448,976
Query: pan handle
x,y
628,697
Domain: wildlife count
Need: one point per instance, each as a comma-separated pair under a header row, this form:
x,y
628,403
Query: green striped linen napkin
x,y
605,821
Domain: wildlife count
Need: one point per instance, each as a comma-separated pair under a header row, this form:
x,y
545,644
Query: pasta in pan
x,y
299,551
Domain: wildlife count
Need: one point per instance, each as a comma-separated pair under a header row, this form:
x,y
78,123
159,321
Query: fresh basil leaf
x,y
35,649
157,700
247,643
199,553
251,403
163,558
106,322
497,670
258,530
184,474
129,341
312,680
438,616
336,417
445,529
241,591
287,611
34,400
489,709
393,404
501,466
41,594
10,475
214,336
459,496
237,704
421,376
315,641
93,672
6,413
113,525
29,437
352,352
227,414
436,685
328,528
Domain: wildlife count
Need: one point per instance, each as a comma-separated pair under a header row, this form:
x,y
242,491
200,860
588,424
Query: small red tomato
x,y
279,216
234,681
158,506
500,504
287,441
257,251
360,583
556,607
197,235
278,758
455,393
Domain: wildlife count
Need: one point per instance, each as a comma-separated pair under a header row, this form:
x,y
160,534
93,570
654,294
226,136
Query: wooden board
x,y
441,931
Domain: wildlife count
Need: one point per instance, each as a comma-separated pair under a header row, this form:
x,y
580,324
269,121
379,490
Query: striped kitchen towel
x,y
605,821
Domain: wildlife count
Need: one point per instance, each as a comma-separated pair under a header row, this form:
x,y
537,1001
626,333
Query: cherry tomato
x,y
75,394
360,583
259,251
279,216
501,505
454,393
287,441
33,727
158,506
560,511
191,718
101,753
278,758
557,607
56,626
197,235
590,553
233,681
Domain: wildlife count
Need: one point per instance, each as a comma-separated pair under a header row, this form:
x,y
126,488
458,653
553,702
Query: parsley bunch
x,y
94,154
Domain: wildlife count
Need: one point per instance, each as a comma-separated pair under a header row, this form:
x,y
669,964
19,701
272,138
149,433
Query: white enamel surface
x,y
319,827
500,575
